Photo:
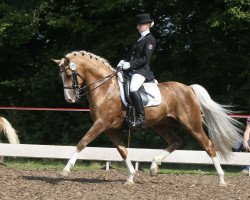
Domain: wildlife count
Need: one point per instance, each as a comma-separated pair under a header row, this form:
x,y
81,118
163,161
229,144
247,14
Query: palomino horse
x,y
185,104
7,130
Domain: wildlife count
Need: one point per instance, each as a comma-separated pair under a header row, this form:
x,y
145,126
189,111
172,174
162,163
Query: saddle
x,y
149,92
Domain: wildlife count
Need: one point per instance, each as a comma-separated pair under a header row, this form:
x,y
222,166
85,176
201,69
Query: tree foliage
x,y
204,42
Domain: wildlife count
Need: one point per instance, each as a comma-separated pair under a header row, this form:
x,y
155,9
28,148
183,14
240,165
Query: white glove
x,y
126,65
120,64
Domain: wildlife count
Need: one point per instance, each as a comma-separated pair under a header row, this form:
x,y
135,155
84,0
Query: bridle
x,y
82,91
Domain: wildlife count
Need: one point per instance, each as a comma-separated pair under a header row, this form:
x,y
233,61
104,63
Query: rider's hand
x,y
120,64
126,65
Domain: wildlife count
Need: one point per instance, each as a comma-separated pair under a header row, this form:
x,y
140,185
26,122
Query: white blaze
x,y
69,94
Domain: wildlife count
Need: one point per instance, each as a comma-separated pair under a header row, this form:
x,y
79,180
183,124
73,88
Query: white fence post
x,y
136,166
107,165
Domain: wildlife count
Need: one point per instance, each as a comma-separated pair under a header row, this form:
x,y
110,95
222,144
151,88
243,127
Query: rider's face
x,y
142,27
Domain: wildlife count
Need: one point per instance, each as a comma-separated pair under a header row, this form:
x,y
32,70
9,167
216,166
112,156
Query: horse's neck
x,y
99,85
100,93
96,71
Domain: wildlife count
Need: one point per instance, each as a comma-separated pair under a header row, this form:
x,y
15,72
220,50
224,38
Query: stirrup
x,y
139,124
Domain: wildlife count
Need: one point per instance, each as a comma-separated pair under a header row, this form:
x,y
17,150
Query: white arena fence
x,y
111,154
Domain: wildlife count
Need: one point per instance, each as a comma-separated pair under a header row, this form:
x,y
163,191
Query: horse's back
x,y
172,84
171,88
177,97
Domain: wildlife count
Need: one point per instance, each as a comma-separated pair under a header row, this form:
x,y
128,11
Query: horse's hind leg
x,y
114,137
193,123
173,141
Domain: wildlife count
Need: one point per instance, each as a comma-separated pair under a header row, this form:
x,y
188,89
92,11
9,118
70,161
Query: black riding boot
x,y
139,109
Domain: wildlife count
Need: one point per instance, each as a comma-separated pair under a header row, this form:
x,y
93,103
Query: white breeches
x,y
136,82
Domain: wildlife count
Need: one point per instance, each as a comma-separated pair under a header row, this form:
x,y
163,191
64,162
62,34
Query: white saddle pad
x,y
154,95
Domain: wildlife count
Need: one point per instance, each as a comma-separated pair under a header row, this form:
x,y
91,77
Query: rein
x,y
99,80
75,86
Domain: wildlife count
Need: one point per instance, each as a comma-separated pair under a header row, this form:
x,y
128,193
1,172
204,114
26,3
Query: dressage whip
x,y
129,131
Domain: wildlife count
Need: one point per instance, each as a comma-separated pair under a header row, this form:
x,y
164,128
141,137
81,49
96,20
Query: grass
x,y
165,168
168,168
50,164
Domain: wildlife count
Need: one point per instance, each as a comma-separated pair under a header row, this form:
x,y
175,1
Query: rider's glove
x,y
120,65
126,65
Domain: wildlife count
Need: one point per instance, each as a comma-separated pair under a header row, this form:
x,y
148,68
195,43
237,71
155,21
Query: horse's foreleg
x,y
165,131
96,129
70,164
114,137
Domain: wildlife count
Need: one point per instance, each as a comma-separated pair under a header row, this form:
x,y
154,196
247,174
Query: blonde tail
x,y
223,130
10,132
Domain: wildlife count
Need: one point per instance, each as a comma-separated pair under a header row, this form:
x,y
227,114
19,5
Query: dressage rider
x,y
137,64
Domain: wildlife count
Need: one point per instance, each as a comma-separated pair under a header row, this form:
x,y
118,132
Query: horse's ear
x,y
56,61
67,60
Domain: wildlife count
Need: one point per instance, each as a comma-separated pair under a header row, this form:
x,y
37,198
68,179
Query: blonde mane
x,y
91,56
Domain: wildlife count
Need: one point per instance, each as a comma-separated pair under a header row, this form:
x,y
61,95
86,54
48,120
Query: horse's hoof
x,y
154,171
64,173
222,184
129,183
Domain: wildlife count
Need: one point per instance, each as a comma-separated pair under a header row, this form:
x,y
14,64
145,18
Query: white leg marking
x,y
157,161
160,157
219,170
68,93
71,162
153,165
131,171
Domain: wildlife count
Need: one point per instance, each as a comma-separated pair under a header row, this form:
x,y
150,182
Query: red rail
x,y
77,109
46,109
239,116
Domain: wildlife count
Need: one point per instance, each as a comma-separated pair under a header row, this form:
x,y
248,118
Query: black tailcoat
x,y
139,56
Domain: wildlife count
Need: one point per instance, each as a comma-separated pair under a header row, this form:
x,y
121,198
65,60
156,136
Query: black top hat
x,y
143,18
